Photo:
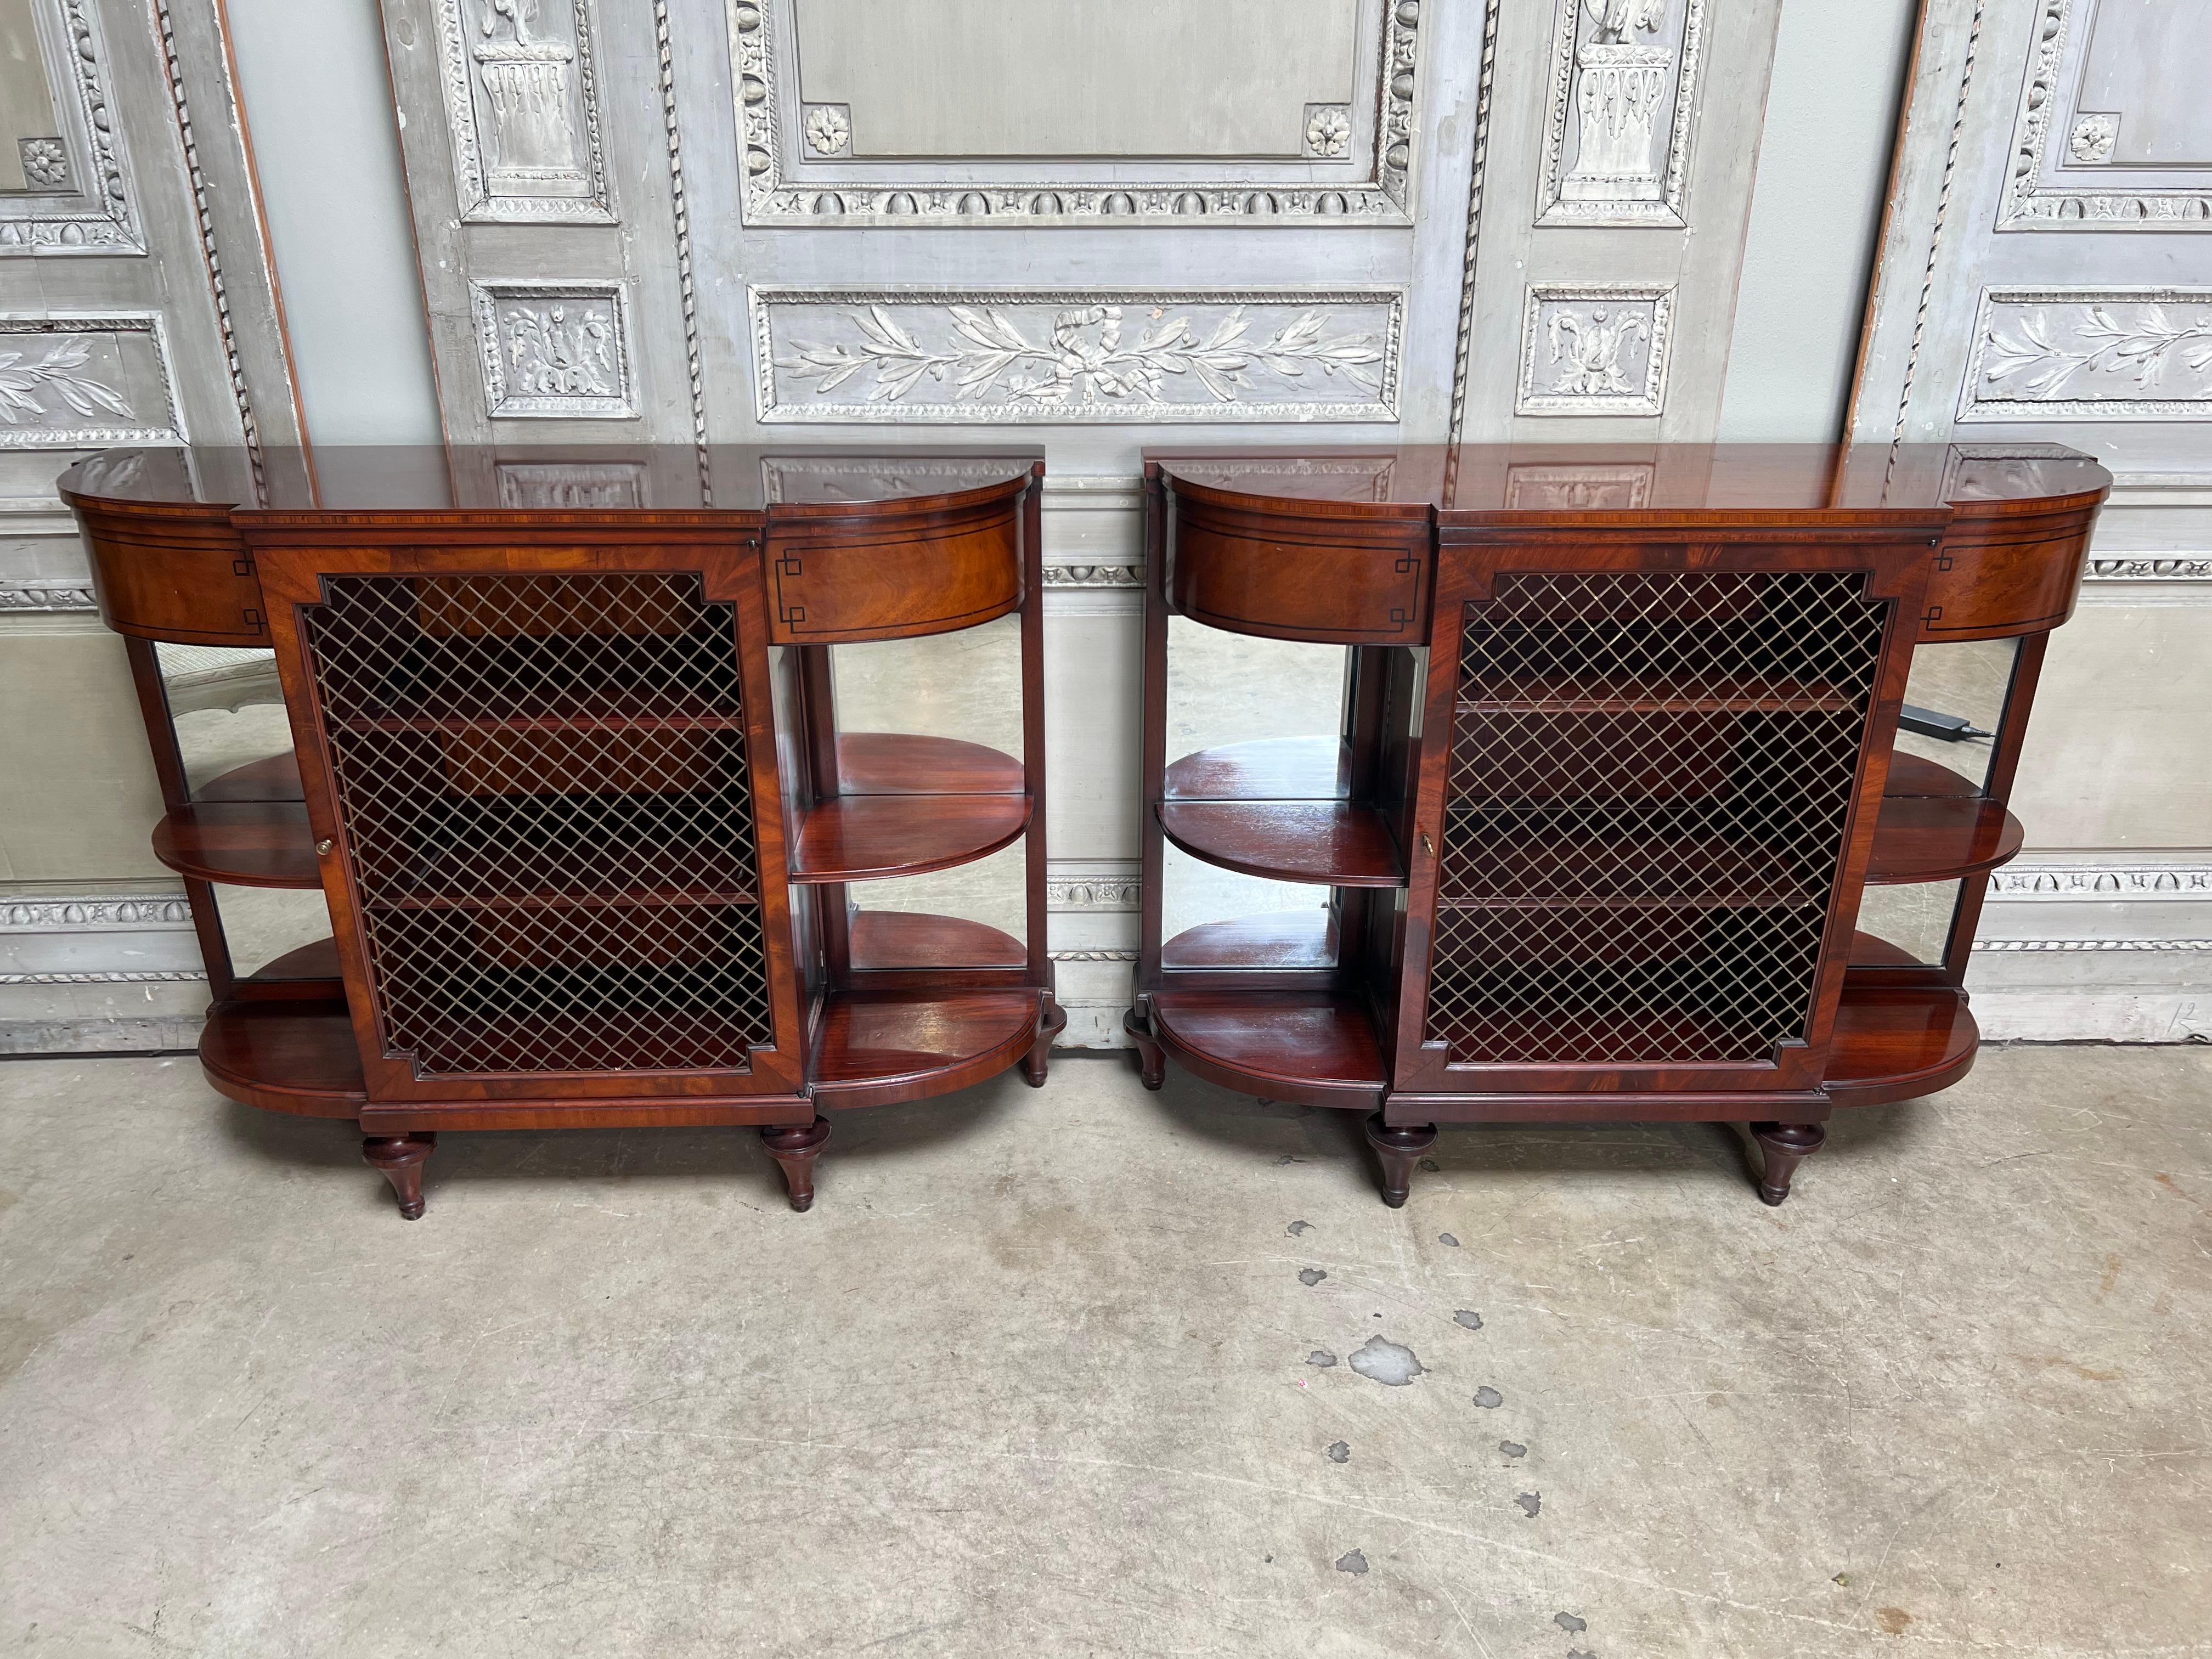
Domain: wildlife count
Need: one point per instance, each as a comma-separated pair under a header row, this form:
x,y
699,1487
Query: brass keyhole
x,y
1428,846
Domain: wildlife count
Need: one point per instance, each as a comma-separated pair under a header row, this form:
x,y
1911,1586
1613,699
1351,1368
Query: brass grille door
x,y
1650,782
543,788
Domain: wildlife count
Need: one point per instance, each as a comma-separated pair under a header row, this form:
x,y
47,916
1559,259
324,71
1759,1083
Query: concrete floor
x,y
1042,1373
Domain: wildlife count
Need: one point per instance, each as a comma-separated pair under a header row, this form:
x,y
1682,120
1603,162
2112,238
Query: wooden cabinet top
x,y
1473,486
404,479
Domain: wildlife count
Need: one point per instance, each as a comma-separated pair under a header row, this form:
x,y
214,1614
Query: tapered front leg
x,y
1151,1058
796,1148
401,1157
1052,1020
1786,1145
1399,1149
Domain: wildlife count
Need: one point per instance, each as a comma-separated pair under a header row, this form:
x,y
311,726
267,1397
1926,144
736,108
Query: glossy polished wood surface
x,y
532,555
1378,547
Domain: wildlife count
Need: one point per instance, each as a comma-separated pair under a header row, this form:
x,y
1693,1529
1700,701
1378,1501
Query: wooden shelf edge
x,y
900,941
1287,841
283,1056
897,835
1899,1043
1920,839
1278,941
241,844
1313,769
905,763
1253,1042
880,1048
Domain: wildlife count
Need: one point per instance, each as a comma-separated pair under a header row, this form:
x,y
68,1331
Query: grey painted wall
x,y
315,88
317,101
1816,212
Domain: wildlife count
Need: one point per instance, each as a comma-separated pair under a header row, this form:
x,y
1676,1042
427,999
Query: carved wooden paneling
x,y
554,350
1124,356
1623,96
522,103
1594,349
961,114
2042,278
76,380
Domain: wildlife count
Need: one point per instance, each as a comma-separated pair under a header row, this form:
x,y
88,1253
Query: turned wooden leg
x,y
1787,1145
1052,1020
401,1159
796,1148
1400,1149
1151,1058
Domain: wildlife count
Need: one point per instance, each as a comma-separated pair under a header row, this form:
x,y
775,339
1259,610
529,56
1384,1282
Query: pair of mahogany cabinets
x,y
1617,765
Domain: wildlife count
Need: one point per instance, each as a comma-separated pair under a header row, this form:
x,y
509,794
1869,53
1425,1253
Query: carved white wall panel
x,y
76,194
2113,126
1616,168
1016,354
78,379
1597,350
855,113
1624,97
522,97
554,350
2106,353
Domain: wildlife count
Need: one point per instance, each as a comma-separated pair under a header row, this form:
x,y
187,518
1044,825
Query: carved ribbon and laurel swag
x,y
1087,353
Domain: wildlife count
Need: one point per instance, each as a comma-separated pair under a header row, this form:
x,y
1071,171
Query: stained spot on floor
x,y
1321,1357
1486,1397
1288,1158
1312,1275
1391,1364
1569,1623
1576,1653
1431,1165
1512,1449
1446,1238
1469,1318
1351,1561
1298,1227
1893,1621
1530,1504
1339,1452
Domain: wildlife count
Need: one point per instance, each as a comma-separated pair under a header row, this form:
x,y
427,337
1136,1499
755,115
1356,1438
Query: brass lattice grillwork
x,y
1650,777
542,782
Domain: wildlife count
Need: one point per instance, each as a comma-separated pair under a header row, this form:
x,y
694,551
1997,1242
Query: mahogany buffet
x,y
1616,765
570,775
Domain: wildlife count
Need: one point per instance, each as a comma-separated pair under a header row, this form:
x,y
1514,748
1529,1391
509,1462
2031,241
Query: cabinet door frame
x,y
1896,556
293,562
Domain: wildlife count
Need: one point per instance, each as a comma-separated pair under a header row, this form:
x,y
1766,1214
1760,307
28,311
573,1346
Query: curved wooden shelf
x,y
889,941
869,838
1872,951
1316,1048
902,763
877,1047
1285,938
1911,774
1899,1043
1272,768
277,778
1332,842
297,1057
1937,838
244,844
317,962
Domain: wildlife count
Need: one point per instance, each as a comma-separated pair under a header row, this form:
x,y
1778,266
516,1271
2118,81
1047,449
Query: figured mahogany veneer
x,y
586,842
246,844
1633,793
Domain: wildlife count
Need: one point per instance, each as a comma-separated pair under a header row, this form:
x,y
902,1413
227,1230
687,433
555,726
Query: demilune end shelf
x,y
567,768
1617,761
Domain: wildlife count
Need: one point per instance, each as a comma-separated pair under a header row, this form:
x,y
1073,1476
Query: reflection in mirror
x,y
32,154
989,893
223,681
263,925
1915,918
1227,689
1968,678
966,685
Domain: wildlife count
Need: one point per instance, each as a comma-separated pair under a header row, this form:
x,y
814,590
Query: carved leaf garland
x,y
21,384
2044,360
1086,354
